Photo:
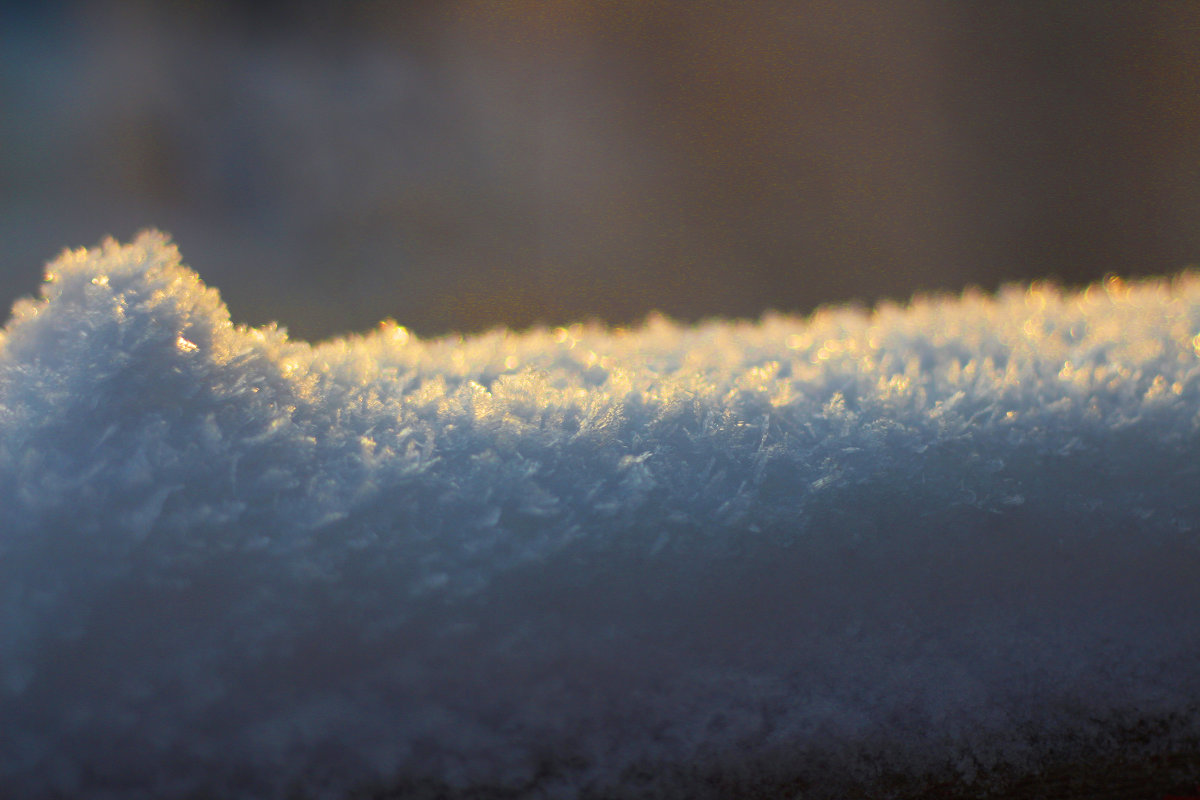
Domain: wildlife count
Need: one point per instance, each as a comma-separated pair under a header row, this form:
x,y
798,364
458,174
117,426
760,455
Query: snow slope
x,y
938,538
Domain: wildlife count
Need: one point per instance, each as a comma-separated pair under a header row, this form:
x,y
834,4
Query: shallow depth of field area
x,y
919,545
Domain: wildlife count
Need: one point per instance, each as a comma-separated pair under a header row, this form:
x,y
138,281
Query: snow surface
x,y
942,537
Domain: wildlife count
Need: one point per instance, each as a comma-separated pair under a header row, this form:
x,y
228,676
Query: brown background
x,y
463,165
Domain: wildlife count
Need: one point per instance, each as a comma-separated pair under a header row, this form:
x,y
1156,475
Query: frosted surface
x,y
945,536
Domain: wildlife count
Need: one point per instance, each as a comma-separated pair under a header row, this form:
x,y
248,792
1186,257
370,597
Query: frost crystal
x,y
928,539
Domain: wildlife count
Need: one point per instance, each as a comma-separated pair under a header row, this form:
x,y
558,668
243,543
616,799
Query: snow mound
x,y
941,539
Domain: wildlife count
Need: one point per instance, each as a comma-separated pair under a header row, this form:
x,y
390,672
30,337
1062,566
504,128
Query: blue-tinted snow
x,y
943,536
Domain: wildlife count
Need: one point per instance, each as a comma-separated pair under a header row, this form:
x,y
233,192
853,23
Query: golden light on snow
x,y
804,519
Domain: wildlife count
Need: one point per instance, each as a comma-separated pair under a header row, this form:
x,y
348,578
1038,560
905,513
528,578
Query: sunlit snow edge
x,y
946,536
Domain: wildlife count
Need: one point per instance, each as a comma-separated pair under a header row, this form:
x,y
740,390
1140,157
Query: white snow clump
x,y
933,539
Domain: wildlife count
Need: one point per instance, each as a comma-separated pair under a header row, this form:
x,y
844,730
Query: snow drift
x,y
939,539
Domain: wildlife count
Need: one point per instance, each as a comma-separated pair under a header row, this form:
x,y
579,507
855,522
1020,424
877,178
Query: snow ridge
x,y
941,537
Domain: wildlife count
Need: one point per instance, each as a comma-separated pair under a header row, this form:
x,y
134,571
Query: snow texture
x,y
935,539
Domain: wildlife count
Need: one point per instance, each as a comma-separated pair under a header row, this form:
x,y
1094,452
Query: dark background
x,y
462,165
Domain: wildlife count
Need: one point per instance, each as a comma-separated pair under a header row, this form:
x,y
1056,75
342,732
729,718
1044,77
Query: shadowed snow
x,y
939,537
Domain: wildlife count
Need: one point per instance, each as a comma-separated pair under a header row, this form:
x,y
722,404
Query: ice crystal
x,y
938,536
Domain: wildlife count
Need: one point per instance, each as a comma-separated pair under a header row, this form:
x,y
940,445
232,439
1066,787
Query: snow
x,y
940,538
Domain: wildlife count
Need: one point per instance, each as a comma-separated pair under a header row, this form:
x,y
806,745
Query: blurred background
x,y
458,166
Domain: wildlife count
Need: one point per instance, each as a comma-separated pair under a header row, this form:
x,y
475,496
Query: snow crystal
x,y
934,538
